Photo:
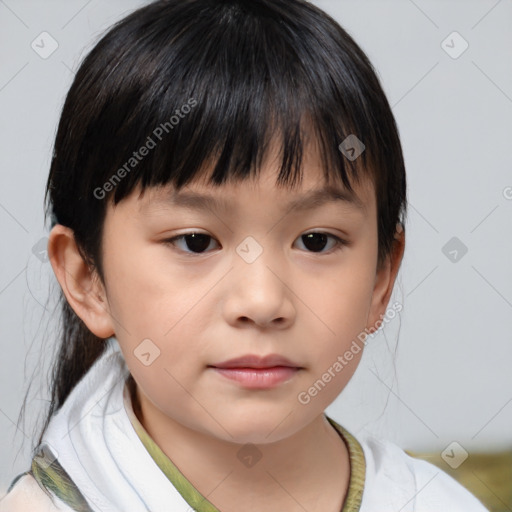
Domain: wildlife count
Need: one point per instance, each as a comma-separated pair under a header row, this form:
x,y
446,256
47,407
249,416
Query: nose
x,y
258,293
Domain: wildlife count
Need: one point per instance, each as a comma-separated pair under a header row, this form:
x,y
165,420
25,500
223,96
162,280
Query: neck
x,y
309,470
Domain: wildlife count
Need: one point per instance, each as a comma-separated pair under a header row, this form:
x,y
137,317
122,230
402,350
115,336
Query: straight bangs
x,y
214,93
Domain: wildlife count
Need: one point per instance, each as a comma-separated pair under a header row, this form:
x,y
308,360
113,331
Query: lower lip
x,y
259,378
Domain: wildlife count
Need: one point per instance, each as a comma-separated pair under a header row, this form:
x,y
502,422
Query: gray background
x,y
451,378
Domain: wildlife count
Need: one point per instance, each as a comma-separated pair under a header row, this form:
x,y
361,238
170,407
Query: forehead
x,y
231,198
310,191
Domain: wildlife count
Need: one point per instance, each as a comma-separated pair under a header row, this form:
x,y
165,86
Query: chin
x,y
257,429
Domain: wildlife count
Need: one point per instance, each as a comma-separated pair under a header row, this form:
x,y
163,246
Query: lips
x,y
258,362
254,372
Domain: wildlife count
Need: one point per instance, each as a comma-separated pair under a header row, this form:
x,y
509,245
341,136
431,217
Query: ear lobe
x,y
81,285
385,280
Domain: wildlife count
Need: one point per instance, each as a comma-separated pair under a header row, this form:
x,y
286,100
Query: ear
x,y
81,285
385,281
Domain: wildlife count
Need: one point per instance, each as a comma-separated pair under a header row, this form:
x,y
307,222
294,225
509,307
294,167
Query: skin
x,y
201,309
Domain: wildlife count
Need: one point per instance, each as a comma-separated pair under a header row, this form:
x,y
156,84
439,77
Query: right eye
x,y
197,243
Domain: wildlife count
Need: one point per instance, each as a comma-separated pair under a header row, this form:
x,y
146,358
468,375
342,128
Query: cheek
x,y
154,310
343,304
146,294
343,301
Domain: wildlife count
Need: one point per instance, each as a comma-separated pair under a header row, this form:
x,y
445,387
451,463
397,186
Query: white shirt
x,y
97,445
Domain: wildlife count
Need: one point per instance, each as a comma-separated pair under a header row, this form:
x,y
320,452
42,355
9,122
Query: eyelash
x,y
340,243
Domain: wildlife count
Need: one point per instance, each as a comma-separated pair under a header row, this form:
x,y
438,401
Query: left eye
x,y
197,243
316,240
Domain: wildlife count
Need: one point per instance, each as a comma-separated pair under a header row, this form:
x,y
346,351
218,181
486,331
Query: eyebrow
x,y
308,201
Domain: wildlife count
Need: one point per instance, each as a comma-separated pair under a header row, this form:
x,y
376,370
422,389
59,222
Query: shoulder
x,y
26,494
397,481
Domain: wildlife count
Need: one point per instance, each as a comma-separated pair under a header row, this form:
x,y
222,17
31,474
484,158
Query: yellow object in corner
x,y
487,475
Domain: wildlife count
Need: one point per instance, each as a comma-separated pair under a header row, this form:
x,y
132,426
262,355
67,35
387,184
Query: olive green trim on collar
x,y
200,503
357,469
189,493
53,480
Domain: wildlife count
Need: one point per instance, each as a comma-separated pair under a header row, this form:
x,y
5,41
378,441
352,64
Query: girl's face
x,y
252,283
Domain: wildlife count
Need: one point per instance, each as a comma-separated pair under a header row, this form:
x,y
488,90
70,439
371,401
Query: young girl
x,y
194,375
